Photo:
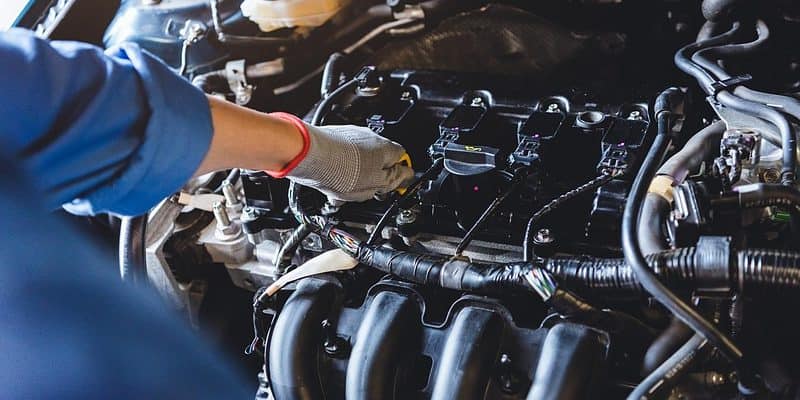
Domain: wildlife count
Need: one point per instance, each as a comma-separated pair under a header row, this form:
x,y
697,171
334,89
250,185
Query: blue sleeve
x,y
72,330
96,131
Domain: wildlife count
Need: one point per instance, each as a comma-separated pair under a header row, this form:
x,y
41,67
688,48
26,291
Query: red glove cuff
x,y
301,127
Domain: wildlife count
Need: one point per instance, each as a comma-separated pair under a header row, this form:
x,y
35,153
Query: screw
x,y
508,382
405,96
334,345
221,215
635,114
406,217
553,108
477,102
544,236
231,197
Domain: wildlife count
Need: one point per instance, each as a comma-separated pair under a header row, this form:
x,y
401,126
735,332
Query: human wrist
x,y
298,130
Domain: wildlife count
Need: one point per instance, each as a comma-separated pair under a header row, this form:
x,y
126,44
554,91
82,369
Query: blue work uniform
x,y
94,131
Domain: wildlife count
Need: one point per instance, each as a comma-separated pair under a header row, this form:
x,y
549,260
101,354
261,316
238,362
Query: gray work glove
x,y
350,163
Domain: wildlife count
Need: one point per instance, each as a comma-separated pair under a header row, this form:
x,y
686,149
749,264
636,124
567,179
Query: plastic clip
x,y
725,84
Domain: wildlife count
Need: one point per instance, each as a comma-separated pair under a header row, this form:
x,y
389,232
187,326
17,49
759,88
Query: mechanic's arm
x,y
119,131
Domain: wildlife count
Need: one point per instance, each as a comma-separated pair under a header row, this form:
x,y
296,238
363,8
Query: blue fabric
x,y
118,133
113,132
69,328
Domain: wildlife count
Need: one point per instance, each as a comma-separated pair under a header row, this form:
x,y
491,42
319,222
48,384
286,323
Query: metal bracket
x,y
237,81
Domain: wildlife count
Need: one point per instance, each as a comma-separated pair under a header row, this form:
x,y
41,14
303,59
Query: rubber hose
x,y
666,344
633,254
332,73
746,100
716,10
697,149
664,378
655,209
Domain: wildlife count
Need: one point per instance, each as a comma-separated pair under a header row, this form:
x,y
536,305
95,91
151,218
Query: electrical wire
x,y
527,245
475,228
542,282
412,190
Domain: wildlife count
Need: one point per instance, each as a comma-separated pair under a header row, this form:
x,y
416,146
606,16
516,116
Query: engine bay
x,y
605,202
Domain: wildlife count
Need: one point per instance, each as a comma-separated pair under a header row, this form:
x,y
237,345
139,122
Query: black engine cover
x,y
488,129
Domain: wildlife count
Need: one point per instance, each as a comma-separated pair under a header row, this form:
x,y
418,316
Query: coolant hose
x,y
332,73
715,10
665,106
703,66
697,149
666,344
656,206
660,381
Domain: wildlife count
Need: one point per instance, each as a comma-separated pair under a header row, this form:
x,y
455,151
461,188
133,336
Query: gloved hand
x,y
346,162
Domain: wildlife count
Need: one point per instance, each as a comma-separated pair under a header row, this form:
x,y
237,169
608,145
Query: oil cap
x,y
466,160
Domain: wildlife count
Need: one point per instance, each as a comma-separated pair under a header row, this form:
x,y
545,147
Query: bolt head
x,y
544,236
635,114
477,101
553,108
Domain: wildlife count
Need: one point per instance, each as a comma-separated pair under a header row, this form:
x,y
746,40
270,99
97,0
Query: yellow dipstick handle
x,y
405,159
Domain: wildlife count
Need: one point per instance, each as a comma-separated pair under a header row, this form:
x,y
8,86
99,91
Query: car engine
x,y
605,202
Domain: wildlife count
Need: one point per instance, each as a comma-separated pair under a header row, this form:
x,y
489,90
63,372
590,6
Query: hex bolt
x,y
553,108
406,217
544,236
635,114
231,197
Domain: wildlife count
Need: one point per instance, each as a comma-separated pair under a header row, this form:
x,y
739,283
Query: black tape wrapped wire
x,y
751,270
